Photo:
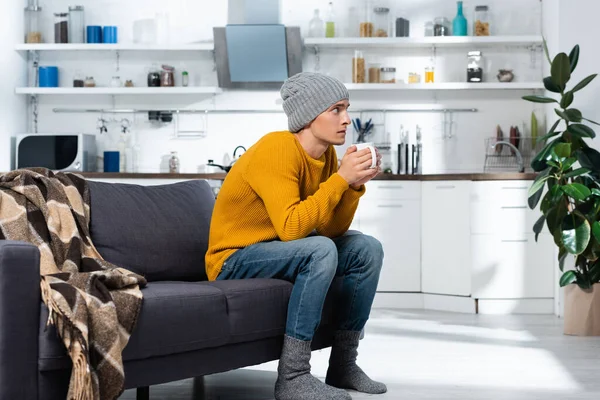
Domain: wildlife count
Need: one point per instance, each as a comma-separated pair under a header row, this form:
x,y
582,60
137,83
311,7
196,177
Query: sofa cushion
x,y
257,308
176,317
160,232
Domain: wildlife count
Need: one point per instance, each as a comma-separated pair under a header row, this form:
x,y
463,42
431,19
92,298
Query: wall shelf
x,y
445,86
119,91
203,46
425,42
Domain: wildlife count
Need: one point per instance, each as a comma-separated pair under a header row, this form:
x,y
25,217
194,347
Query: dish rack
x,y
502,158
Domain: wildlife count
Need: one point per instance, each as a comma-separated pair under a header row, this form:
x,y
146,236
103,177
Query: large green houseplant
x,y
567,187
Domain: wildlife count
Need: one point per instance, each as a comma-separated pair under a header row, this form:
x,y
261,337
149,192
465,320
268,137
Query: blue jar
x,y
48,77
459,25
94,34
111,161
109,34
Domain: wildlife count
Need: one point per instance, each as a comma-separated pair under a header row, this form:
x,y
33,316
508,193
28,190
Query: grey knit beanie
x,y
308,94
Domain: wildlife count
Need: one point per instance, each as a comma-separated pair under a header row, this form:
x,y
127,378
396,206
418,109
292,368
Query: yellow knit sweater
x,y
276,191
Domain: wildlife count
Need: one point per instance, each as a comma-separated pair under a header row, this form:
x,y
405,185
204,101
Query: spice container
x,y
76,25
33,33
374,73
129,83
174,163
89,82
382,22
167,76
78,80
474,68
116,82
429,74
61,28
441,26
429,28
413,77
358,67
185,79
388,75
481,22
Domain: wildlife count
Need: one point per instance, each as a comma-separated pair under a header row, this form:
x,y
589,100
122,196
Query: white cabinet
x,y
390,212
507,262
512,267
445,238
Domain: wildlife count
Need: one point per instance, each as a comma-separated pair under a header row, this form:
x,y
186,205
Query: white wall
x,y
13,108
193,21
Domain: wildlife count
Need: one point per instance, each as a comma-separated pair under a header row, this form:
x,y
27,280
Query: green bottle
x,y
330,22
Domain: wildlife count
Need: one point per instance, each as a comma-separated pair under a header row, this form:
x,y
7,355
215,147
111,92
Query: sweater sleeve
x,y
339,221
274,174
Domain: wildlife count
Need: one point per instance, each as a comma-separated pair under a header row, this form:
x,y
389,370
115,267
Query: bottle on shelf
x,y
330,22
174,163
316,27
33,32
459,25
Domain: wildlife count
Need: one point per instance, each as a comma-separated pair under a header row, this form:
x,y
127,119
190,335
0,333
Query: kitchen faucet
x,y
517,153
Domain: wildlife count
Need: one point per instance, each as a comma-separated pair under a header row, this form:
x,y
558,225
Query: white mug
x,y
370,146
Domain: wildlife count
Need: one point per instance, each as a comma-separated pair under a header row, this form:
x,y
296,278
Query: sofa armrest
x,y
20,299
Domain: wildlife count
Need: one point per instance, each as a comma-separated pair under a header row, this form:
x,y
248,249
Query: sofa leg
x,y
143,393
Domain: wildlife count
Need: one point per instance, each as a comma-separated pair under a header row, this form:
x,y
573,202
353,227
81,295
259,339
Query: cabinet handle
x,y
390,205
445,187
390,187
514,207
515,188
515,240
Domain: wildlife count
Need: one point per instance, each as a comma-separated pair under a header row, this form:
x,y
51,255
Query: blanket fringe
x,y
81,387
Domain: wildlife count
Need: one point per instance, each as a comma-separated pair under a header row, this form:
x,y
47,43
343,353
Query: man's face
x,y
330,126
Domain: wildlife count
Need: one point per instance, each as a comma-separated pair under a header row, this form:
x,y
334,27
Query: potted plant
x,y
567,189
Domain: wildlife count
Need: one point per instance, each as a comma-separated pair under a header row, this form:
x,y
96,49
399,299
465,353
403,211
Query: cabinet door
x,y
445,238
512,267
396,224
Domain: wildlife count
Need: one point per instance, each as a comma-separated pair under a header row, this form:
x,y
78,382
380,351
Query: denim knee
x,y
370,249
324,253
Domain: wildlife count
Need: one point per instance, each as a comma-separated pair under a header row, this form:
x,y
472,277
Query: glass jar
x,y
78,80
358,67
61,28
388,75
366,24
154,76
382,22
429,28
116,82
441,26
33,32
167,76
174,163
185,79
89,82
429,74
76,24
374,73
474,68
481,21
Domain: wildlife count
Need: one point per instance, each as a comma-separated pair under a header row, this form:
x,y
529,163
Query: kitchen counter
x,y
509,176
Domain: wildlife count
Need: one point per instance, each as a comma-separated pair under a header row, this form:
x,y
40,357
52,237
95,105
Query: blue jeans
x,y
311,264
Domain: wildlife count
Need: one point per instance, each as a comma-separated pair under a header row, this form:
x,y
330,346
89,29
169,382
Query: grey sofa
x,y
188,326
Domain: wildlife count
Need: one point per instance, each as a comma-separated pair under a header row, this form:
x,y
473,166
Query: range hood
x,y
254,50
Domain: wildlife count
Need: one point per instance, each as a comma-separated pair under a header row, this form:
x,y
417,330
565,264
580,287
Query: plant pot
x,y
582,310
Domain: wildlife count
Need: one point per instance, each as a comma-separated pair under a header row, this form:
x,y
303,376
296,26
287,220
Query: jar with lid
x,y
167,76
358,67
429,28
76,24
388,75
382,22
33,32
481,21
174,163
61,28
154,76
374,73
474,68
441,26
89,82
78,80
116,82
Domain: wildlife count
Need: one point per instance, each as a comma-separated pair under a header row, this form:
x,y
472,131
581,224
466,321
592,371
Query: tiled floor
x,y
432,355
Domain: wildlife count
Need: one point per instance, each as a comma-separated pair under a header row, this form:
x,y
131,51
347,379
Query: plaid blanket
x,y
93,304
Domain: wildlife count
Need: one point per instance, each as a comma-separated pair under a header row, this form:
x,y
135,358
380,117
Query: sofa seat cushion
x,y
176,317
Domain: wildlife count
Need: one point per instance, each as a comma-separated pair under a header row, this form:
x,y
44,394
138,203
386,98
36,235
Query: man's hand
x,y
356,168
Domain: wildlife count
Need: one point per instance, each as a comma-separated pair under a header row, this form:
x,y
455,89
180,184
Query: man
x,y
283,212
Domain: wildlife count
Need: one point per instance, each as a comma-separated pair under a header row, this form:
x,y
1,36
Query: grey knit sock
x,y
294,381
343,371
